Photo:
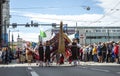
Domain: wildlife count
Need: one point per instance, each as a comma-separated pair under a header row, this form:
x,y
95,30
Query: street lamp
x,y
12,41
77,36
5,32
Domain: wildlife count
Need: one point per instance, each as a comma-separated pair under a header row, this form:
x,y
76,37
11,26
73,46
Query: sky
x,y
101,13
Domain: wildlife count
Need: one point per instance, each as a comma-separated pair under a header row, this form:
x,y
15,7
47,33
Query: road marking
x,y
102,70
33,73
29,68
118,72
84,67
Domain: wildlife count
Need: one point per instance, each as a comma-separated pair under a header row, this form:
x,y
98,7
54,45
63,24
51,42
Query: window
x,y
98,30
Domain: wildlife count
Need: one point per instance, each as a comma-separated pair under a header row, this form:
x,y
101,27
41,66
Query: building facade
x,y
100,34
94,34
5,21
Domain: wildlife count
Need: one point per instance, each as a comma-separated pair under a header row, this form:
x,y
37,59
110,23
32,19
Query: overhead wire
x,y
59,19
109,12
106,14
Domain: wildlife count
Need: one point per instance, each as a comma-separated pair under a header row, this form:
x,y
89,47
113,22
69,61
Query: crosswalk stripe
x,y
100,70
33,73
118,72
29,68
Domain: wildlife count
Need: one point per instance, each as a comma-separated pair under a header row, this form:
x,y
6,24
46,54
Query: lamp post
x,y
5,34
12,41
77,33
108,34
9,38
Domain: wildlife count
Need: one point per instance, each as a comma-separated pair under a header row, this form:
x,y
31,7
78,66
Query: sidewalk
x,y
54,64
99,64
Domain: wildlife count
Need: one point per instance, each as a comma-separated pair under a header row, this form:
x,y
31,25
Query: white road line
x,y
33,73
29,68
84,67
102,70
118,72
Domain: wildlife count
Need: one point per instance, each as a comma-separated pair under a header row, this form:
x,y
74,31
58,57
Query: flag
x,y
42,34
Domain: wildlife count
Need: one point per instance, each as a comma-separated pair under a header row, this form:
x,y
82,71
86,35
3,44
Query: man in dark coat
x,y
41,53
74,51
47,53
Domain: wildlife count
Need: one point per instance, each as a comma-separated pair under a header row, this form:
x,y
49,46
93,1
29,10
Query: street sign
x,y
81,36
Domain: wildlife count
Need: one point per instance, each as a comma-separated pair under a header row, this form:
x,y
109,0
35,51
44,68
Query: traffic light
x,y
3,1
32,24
88,8
27,25
14,25
35,24
54,25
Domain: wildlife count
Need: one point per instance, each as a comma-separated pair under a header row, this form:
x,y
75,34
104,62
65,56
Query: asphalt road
x,y
61,71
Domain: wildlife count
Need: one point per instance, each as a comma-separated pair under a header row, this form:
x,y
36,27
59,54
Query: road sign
x,y
81,36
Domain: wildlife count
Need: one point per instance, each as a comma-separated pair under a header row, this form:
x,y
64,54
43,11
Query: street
x,y
61,71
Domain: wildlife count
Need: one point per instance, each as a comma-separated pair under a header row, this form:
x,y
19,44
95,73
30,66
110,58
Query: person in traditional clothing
x,y
29,53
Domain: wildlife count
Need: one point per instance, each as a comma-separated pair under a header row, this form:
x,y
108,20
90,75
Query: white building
x,y
94,34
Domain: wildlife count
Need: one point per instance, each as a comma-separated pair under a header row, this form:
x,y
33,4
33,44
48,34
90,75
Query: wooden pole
x,y
61,46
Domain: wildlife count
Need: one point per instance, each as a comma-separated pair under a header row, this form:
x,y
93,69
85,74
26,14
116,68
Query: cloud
x,y
29,36
67,19
111,9
109,18
26,37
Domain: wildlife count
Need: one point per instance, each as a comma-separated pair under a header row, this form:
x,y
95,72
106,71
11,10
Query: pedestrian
x,y
17,55
95,53
0,55
109,52
90,48
61,59
84,53
81,53
22,57
116,51
5,55
41,54
104,52
29,53
99,48
48,49
119,53
112,56
74,51
11,55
